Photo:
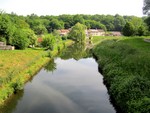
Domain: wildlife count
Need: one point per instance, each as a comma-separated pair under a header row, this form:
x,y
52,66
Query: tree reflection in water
x,y
50,66
76,51
11,103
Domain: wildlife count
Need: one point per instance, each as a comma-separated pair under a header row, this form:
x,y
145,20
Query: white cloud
x,y
57,7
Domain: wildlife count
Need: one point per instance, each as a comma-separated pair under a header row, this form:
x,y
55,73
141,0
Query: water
x,y
65,85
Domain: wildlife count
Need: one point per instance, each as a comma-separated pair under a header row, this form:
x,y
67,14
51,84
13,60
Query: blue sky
x,y
58,7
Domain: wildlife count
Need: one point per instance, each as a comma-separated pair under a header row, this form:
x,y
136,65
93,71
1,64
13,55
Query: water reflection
x,y
50,66
75,86
76,51
11,103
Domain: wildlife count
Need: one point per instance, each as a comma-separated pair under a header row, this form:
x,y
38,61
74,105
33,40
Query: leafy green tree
x,y
55,24
67,19
31,36
40,29
77,32
37,24
146,7
49,41
78,19
119,23
108,21
20,39
128,29
142,31
6,27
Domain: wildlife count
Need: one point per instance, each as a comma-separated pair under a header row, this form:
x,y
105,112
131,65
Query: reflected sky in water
x,y
74,87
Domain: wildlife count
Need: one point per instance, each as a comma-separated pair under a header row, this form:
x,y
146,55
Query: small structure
x,y
40,39
95,32
63,32
115,33
3,46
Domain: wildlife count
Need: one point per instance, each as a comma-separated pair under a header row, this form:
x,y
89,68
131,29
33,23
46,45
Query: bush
x,y
126,71
20,39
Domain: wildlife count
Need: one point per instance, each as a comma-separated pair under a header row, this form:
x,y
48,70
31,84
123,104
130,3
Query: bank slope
x,y
125,64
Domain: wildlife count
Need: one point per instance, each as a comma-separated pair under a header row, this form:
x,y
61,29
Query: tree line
x,y
22,31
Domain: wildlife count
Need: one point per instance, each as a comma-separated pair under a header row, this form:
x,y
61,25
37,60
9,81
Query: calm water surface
x,y
64,86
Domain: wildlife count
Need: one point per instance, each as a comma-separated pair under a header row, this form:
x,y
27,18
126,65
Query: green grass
x,y
125,63
18,66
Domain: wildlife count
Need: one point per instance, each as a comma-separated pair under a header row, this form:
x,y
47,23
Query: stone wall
x,y
3,46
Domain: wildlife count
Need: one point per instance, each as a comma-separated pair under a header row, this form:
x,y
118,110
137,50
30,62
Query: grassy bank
x,y
125,64
18,66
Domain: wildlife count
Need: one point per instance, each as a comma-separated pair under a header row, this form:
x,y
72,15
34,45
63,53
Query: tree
x,y
49,41
19,39
141,31
37,25
119,23
146,7
31,36
67,19
55,24
78,19
128,29
6,27
108,21
77,32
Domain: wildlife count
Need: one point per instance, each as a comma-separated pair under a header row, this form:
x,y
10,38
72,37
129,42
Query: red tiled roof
x,y
40,39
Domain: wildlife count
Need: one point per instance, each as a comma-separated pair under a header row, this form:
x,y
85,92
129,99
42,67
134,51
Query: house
x,y
63,32
95,32
3,46
115,33
40,39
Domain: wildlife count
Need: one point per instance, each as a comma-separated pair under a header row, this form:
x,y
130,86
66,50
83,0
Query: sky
x,y
59,7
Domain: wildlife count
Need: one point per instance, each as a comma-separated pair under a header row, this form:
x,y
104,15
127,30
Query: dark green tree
x,y
146,7
128,29
55,24
6,27
119,23
49,41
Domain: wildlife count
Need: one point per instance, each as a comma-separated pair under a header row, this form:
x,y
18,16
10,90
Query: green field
x,y
125,64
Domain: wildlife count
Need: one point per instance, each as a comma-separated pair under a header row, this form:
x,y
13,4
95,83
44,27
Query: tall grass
x,y
125,64
17,67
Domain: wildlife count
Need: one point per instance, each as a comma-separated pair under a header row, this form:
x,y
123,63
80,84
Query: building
x,y
95,32
115,33
3,46
63,32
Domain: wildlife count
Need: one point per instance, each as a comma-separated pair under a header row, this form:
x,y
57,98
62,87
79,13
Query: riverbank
x,y
125,65
19,66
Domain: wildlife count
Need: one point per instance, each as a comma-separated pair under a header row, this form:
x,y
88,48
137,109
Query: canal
x,y
69,83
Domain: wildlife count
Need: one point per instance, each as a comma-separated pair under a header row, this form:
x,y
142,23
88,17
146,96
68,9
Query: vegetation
x,y
135,27
128,29
12,26
125,66
77,33
146,7
17,67
124,61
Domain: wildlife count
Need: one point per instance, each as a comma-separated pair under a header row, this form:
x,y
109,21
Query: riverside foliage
x,y
126,68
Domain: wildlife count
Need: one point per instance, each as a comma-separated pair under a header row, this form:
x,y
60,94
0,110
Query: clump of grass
x,y
126,68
